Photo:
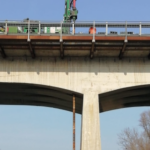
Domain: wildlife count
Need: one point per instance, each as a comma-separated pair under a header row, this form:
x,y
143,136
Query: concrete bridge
x,y
102,72
99,85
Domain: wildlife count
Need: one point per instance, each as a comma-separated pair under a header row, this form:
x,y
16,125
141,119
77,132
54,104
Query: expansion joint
x,y
2,52
92,50
31,50
61,50
123,50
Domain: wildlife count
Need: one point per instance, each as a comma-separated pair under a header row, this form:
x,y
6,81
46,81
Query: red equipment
x,y
74,3
92,30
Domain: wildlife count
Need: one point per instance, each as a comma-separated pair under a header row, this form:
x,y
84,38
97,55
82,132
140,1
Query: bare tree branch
x,y
130,139
145,122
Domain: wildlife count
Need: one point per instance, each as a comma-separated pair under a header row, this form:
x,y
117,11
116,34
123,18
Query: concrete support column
x,y
90,136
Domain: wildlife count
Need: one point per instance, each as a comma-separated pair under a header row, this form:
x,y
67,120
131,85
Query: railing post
x,y
73,31
61,32
28,31
126,32
94,30
140,29
6,27
106,28
39,27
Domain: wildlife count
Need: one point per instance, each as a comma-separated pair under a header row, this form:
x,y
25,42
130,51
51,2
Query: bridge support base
x,y
90,136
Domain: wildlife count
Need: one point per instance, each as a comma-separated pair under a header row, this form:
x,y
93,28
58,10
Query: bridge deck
x,y
74,45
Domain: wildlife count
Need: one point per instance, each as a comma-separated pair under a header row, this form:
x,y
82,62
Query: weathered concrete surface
x,y
90,122
77,74
82,75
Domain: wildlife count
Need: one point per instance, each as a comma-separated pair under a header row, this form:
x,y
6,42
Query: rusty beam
x,y
74,122
92,50
31,50
2,52
61,50
122,50
75,38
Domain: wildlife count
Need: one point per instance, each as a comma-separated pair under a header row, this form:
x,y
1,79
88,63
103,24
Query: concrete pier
x,y
90,138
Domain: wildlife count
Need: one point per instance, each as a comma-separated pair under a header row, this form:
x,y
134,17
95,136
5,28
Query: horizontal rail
x,y
79,24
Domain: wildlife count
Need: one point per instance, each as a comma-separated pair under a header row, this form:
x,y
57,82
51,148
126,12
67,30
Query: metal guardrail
x,y
79,24
51,28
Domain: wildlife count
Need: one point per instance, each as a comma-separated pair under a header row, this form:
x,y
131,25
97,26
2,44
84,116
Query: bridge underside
x,y
80,46
38,95
127,97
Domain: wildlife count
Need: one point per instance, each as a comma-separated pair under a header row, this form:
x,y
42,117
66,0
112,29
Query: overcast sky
x,y
40,128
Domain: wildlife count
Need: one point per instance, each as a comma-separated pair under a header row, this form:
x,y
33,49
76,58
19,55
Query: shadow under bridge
x,y
39,95
134,96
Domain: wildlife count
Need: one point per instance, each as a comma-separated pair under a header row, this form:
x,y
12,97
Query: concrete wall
x,y
77,74
82,75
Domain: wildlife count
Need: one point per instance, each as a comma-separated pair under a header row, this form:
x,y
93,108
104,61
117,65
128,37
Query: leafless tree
x,y
131,139
128,138
145,122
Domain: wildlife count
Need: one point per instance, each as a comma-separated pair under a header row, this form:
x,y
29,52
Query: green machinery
x,y
32,29
70,14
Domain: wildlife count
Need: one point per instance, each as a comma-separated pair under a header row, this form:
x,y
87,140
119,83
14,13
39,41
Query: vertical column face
x,y
74,122
90,136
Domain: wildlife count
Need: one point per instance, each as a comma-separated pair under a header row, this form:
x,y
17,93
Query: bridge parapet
x,y
82,28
